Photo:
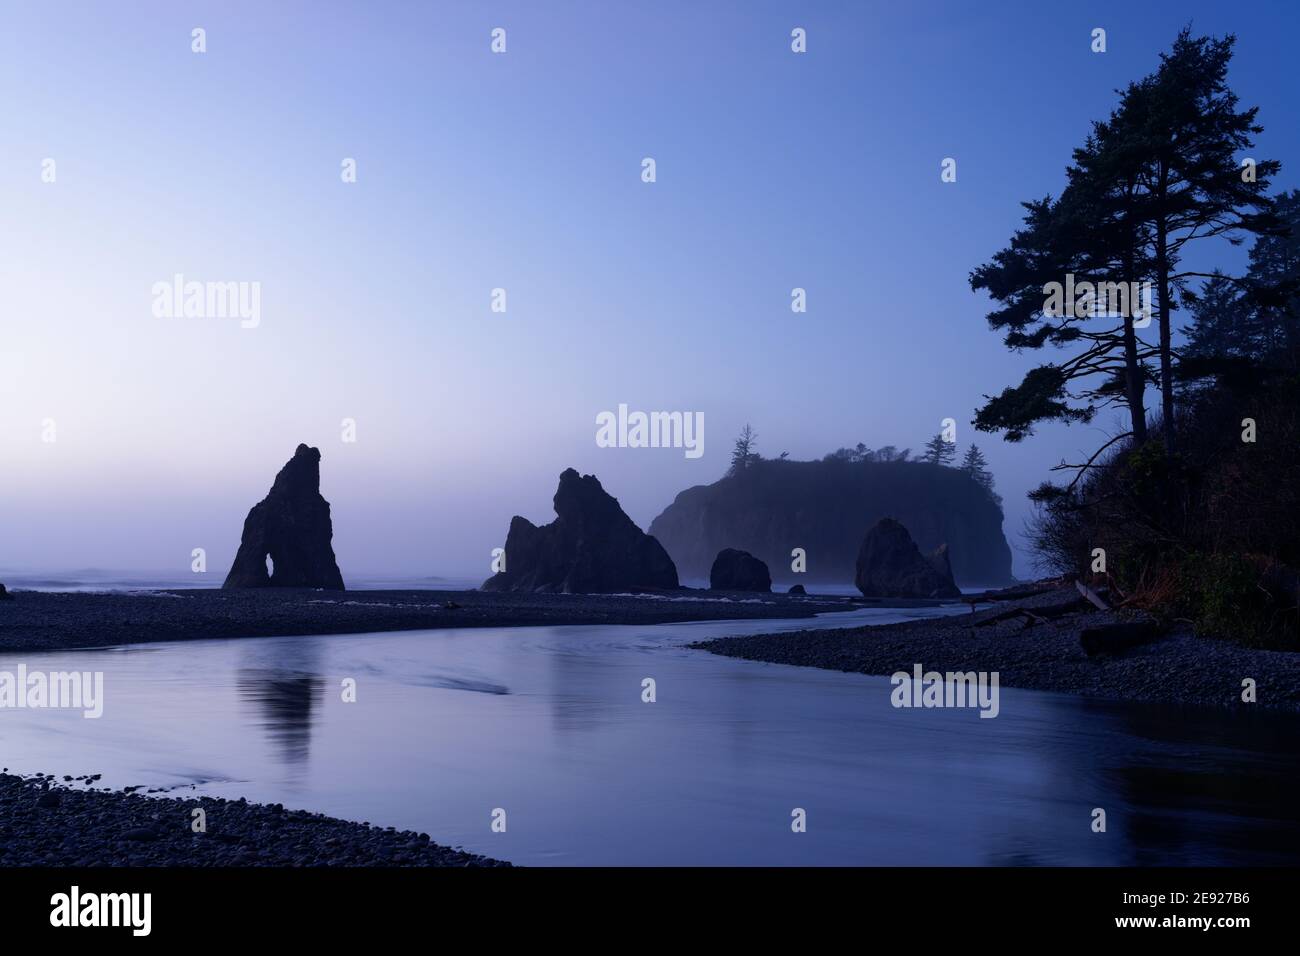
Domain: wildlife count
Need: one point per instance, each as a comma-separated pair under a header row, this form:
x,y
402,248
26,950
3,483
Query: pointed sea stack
x,y
592,546
292,527
890,565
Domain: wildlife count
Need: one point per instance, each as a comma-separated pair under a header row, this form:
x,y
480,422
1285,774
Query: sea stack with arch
x,y
292,527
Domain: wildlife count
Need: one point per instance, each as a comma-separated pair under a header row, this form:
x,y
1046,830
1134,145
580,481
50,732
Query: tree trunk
x,y
1166,349
1134,380
1134,384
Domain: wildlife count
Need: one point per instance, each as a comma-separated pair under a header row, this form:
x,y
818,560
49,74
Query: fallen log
x,y
1011,613
1092,596
1014,593
1039,615
1117,637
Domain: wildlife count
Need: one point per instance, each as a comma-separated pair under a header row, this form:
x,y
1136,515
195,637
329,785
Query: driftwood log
x,y
1096,599
1039,615
1014,593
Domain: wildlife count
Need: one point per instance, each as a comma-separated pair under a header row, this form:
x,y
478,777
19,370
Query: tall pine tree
x,y
1161,172
939,451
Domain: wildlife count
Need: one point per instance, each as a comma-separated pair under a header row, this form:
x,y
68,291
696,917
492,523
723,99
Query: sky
x,y
522,171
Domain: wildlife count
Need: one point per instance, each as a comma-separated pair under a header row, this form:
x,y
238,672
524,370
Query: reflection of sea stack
x,y
890,565
291,526
591,546
286,701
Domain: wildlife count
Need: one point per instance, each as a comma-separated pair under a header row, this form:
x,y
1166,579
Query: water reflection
x,y
282,683
581,679
549,723
1204,787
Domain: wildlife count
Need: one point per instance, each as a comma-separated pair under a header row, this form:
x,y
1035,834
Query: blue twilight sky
x,y
521,171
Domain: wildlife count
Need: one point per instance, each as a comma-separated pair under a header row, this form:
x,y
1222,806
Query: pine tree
x,y
1252,322
939,451
743,455
975,465
1158,174
1184,133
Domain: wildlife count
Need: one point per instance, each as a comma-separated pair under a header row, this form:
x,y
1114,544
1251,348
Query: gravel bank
x,y
37,620
1180,668
44,824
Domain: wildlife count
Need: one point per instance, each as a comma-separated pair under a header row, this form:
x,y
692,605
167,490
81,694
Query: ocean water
x,y
549,725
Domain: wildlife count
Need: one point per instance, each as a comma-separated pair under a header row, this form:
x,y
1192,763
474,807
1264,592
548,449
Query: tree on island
x,y
853,456
975,465
939,451
743,455
890,453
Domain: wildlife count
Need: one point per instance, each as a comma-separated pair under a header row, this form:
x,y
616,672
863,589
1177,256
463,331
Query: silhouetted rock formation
x,y
292,527
825,507
591,546
738,571
797,589
5,595
890,565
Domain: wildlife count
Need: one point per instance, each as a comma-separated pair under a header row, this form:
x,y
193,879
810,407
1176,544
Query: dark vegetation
x,y
1191,511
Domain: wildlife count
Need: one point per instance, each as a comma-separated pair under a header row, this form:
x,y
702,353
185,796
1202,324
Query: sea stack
x,y
292,527
592,546
738,571
890,565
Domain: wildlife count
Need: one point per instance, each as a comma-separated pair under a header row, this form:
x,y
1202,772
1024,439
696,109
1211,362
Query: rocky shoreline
x,y
1041,650
42,621
67,823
